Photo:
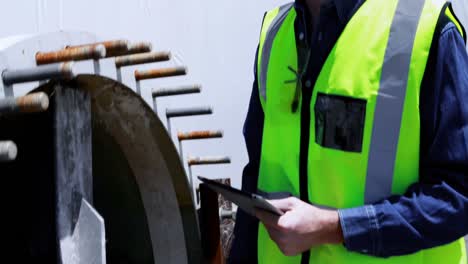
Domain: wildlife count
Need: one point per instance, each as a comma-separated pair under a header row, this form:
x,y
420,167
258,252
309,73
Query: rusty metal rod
x,y
180,90
39,73
194,135
141,58
75,54
205,110
133,48
160,73
208,160
112,46
31,103
8,151
140,47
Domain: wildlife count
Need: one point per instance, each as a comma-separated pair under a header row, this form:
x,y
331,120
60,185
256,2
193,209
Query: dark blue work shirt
x,y
433,211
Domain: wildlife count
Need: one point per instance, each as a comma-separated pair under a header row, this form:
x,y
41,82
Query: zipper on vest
x,y
307,84
304,153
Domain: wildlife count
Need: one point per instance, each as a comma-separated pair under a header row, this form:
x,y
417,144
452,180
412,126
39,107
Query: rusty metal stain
x,y
33,103
113,47
160,73
140,47
75,54
180,90
142,58
199,135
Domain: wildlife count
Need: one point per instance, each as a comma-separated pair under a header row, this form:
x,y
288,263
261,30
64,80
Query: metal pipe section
x,y
208,160
31,103
113,47
139,47
160,73
45,72
227,214
73,54
206,110
180,90
8,151
141,58
195,135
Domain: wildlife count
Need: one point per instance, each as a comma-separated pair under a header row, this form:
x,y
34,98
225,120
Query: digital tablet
x,y
245,200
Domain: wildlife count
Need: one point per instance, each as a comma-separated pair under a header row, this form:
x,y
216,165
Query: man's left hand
x,y
302,227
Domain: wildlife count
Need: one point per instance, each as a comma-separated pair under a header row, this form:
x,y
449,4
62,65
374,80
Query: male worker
x,y
359,110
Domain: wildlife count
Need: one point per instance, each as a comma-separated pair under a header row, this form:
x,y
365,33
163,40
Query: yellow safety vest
x,y
364,122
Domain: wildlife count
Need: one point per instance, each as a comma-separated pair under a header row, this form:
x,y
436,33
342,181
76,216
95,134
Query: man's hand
x,y
302,227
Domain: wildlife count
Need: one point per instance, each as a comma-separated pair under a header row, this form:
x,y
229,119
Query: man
x,y
359,110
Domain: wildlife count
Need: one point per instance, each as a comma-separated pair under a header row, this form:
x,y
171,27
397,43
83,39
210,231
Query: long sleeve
x,y
244,247
434,211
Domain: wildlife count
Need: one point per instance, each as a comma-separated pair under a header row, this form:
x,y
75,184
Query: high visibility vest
x,y
364,118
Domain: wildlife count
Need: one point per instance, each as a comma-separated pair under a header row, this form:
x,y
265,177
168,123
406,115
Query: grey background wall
x,y
216,39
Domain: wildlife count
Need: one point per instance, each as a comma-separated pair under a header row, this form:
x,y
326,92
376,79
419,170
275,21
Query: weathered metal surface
x,y
133,48
39,73
180,90
226,214
8,151
139,47
159,73
31,103
75,54
194,135
208,160
71,123
87,245
209,226
141,58
204,110
140,186
113,47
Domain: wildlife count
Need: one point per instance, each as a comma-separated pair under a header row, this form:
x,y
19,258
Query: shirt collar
x,y
344,8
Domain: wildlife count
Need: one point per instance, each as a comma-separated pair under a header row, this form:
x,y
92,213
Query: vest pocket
x,y
339,122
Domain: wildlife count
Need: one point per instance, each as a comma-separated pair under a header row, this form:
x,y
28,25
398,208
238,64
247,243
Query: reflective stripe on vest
x,y
266,51
392,94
